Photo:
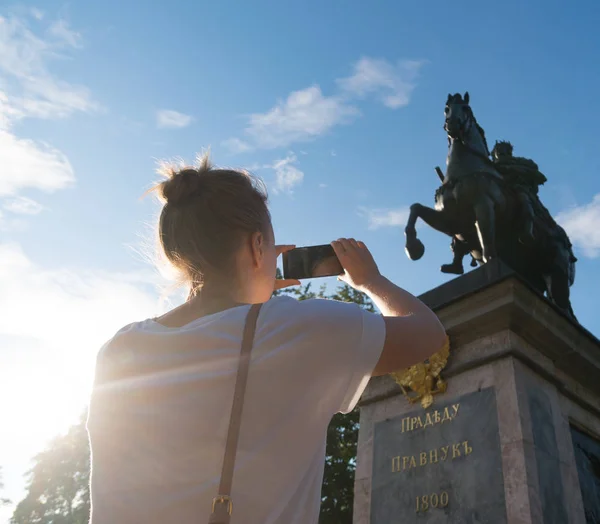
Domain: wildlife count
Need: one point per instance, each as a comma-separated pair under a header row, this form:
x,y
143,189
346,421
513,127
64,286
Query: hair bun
x,y
181,186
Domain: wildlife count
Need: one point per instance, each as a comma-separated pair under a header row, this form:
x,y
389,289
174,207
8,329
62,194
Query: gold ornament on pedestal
x,y
422,381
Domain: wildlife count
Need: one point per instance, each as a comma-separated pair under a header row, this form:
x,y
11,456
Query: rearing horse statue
x,y
483,213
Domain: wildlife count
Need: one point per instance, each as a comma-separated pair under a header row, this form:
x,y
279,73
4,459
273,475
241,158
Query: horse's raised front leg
x,y
436,219
485,216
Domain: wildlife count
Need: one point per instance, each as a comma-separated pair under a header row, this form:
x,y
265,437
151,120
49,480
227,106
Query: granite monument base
x,y
516,436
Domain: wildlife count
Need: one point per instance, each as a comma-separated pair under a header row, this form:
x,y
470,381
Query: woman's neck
x,y
205,302
208,302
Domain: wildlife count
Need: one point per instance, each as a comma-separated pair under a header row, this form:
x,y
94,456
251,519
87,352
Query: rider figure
x,y
524,176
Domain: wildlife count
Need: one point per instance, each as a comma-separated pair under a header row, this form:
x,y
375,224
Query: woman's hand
x,y
358,263
280,283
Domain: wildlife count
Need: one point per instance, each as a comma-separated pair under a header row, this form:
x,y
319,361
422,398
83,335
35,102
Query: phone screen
x,y
311,262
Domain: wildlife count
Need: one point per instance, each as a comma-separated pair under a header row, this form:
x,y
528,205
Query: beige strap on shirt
x,y
222,505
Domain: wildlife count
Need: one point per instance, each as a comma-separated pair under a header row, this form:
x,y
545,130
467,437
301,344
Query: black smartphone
x,y
311,262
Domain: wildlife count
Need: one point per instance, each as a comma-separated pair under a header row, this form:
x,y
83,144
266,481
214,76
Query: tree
x,y
58,484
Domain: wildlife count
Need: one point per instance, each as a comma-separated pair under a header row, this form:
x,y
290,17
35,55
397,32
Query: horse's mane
x,y
481,131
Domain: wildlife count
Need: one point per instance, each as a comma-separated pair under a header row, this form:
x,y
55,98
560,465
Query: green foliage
x,y
337,492
58,484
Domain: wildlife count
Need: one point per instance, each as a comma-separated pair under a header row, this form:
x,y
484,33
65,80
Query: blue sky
x,y
338,106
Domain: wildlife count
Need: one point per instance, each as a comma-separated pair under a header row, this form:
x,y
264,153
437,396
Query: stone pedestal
x,y
503,443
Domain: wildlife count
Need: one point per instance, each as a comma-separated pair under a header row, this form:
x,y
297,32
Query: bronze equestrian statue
x,y
488,204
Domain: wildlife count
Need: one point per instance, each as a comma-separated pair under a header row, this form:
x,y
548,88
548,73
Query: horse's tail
x,y
572,313
572,262
572,259
569,260
557,241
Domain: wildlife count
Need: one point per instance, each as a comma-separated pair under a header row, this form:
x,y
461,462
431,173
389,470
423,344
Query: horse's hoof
x,y
414,249
453,269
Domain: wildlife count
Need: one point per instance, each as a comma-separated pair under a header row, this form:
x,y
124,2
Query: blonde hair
x,y
206,214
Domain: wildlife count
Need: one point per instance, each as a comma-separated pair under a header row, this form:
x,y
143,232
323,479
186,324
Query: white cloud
x,y
302,116
61,31
391,83
53,99
38,14
29,164
30,90
287,175
236,146
378,218
308,113
23,206
167,118
582,224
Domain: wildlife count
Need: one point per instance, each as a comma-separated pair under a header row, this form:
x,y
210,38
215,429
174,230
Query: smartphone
x,y
311,262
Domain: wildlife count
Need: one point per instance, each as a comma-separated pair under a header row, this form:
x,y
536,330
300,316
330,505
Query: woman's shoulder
x,y
116,340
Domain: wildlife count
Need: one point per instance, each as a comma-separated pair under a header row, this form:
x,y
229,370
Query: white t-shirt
x,y
161,403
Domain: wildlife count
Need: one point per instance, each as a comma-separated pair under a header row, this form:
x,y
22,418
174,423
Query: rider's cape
x,y
519,170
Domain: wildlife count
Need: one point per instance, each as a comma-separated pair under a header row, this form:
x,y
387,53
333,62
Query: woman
x,y
161,401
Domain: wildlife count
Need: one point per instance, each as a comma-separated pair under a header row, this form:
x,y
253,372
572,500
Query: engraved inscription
x,y
433,456
439,465
434,500
430,419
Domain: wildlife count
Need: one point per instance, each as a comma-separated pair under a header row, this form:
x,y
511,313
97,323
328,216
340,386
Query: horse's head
x,y
458,115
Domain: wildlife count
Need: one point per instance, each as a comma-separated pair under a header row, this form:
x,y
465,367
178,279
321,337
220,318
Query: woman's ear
x,y
257,247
